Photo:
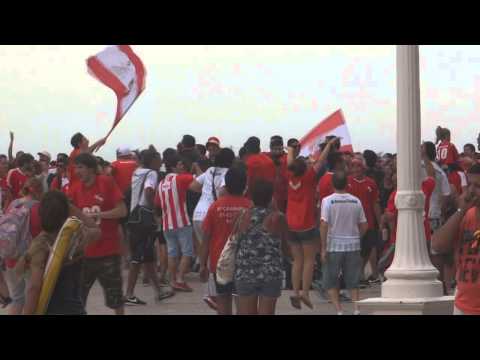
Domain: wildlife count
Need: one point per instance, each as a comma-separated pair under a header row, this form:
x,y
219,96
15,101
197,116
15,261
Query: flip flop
x,y
296,302
307,302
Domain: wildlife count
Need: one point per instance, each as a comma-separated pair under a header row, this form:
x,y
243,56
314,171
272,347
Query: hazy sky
x,y
232,92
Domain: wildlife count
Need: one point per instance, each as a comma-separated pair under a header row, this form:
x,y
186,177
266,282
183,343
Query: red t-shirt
x,y
325,187
367,191
64,187
259,166
35,229
15,181
219,222
122,171
301,201
467,250
459,180
171,197
103,195
428,185
447,153
72,177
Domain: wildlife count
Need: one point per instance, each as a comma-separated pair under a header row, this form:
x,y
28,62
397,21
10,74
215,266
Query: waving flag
x,y
333,125
119,68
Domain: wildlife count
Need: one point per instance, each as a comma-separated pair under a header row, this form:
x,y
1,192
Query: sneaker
x,y
5,301
364,284
164,295
181,287
339,312
356,312
374,281
134,301
210,302
344,298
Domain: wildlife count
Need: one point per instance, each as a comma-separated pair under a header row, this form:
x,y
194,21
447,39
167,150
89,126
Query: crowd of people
x,y
327,220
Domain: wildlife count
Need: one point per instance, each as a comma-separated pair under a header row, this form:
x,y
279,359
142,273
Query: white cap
x,y
46,154
124,150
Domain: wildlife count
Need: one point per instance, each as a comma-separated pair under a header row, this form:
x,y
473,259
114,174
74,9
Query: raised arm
x,y
323,156
10,148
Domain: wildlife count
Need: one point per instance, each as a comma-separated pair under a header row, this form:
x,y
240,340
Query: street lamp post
x,y
411,286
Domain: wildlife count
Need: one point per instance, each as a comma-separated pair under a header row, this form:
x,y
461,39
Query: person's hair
x,y
188,141
276,140
470,146
292,141
202,149
262,193
253,145
224,158
370,158
87,160
445,133
298,167
147,157
168,152
76,140
53,211
4,157
333,159
25,159
33,186
339,180
474,170
242,152
430,150
172,161
236,180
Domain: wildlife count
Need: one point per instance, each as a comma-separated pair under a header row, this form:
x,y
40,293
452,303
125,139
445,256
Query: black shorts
x,y
369,241
227,289
303,237
108,271
142,245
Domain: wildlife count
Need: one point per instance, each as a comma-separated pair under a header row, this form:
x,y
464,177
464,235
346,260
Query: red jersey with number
x,y
447,153
219,222
171,197
15,181
301,201
103,195
122,171
259,166
467,250
367,191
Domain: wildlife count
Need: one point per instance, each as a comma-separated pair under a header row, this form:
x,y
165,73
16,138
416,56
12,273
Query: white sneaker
x,y
339,312
356,312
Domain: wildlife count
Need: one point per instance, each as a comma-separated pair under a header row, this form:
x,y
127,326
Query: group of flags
x,y
120,69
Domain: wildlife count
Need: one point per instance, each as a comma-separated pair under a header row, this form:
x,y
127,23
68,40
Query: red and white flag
x,y
119,68
334,124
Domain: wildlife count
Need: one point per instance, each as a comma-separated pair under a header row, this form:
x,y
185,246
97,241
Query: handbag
x,y
142,217
226,263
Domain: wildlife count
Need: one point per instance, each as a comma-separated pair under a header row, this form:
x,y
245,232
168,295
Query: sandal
x,y
307,302
296,302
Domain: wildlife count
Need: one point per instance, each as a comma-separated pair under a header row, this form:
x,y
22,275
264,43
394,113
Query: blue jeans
x,y
180,239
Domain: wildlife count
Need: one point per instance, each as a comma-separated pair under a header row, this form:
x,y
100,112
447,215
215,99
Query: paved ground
x,y
192,304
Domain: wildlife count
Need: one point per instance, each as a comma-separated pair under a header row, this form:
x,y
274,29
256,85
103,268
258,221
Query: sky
x,y
232,92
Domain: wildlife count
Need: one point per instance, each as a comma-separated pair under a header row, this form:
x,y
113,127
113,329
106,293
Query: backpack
x,y
15,236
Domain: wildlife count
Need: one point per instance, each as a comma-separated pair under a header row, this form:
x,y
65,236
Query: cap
x,y
124,150
213,140
45,153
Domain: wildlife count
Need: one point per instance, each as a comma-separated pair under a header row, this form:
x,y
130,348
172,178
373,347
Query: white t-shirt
x,y
150,182
343,213
442,188
207,198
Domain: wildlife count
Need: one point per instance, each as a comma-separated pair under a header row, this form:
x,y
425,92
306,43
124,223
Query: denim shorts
x,y
16,286
303,237
348,263
180,239
271,289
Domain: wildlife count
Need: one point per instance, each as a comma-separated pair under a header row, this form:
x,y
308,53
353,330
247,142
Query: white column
x,y
411,274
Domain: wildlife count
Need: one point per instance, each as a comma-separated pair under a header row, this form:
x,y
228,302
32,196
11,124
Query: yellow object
x,y
63,246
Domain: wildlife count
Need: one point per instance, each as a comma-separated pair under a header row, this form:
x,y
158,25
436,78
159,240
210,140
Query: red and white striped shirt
x,y
171,197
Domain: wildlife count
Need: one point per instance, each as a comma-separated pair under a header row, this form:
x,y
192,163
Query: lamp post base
x,y
408,306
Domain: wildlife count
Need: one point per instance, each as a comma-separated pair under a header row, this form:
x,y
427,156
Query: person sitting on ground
x,y
66,298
